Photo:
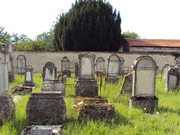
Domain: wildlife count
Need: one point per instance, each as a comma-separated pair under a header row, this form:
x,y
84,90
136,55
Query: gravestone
x,y
171,82
46,106
100,64
49,71
85,84
144,80
65,66
178,76
28,79
10,69
113,69
76,65
127,84
177,61
21,64
121,65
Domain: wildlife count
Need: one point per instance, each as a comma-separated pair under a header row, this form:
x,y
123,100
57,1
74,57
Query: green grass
x,y
165,121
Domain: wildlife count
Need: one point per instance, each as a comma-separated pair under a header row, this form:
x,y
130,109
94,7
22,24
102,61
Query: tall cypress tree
x,y
90,25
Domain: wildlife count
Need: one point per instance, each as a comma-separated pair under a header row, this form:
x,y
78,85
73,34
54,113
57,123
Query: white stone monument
x,y
144,82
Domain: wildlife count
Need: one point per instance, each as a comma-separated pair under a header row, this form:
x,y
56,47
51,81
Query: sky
x,y
150,19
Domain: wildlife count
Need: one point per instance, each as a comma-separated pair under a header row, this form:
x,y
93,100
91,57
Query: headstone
x,y
121,65
172,79
10,69
113,69
65,66
177,61
54,85
21,64
76,69
28,79
178,76
46,106
49,71
85,84
127,84
144,80
100,64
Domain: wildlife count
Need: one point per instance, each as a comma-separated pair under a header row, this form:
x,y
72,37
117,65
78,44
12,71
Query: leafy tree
x,y
128,34
5,37
90,25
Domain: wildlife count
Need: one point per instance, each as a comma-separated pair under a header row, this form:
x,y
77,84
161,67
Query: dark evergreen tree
x,y
90,25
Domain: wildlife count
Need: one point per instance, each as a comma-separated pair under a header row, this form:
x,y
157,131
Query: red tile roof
x,y
153,42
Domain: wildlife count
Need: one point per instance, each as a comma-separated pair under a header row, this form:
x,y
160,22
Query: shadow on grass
x,y
120,120
163,109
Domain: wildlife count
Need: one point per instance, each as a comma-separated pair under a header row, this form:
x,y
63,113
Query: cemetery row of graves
x,y
89,101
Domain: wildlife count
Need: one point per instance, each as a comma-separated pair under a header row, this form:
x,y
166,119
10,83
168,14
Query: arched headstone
x,y
65,66
21,64
144,82
100,64
49,71
177,61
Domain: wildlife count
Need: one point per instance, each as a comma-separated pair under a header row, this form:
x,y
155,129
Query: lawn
x,y
164,121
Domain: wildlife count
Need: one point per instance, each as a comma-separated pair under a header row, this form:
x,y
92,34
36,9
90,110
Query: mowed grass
x,y
164,121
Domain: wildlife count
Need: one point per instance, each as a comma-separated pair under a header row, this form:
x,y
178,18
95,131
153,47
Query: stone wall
x,y
37,59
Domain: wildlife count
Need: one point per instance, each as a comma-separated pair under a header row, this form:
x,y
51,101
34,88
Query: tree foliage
x,y
90,25
128,34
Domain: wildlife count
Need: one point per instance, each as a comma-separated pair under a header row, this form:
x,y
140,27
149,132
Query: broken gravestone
x,y
127,84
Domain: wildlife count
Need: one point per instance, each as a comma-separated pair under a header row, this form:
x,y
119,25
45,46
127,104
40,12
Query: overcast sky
x,y
156,19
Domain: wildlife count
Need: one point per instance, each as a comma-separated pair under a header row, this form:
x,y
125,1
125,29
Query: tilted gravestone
x,y
49,71
65,66
28,79
100,64
171,82
86,85
127,84
113,69
177,61
21,64
144,80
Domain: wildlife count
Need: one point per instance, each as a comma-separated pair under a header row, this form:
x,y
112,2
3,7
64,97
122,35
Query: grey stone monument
x,y
100,64
10,69
28,79
127,84
177,61
49,71
65,66
144,80
113,68
171,82
21,64
85,84
45,106
76,65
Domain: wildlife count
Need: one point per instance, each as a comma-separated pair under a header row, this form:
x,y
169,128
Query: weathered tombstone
x,y
127,84
49,71
178,75
54,85
10,69
177,61
85,84
46,106
65,68
121,65
113,68
144,80
21,64
100,64
165,70
76,69
28,79
172,79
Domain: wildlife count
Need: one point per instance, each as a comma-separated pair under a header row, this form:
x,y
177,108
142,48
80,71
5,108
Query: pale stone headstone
x,y
10,69
28,80
21,64
49,71
64,64
86,85
144,80
100,64
177,61
171,82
